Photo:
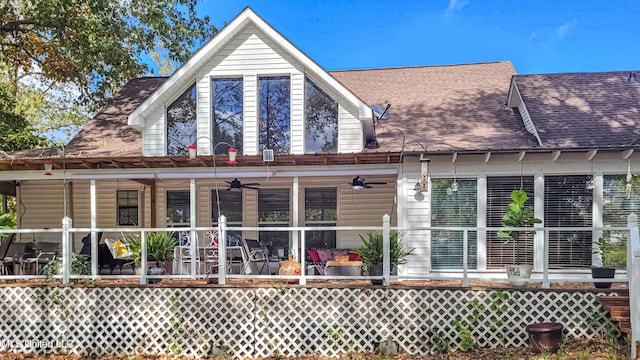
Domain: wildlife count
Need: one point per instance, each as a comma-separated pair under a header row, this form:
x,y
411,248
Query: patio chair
x,y
32,263
256,256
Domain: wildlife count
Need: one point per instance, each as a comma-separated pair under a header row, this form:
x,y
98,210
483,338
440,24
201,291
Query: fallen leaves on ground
x,y
596,349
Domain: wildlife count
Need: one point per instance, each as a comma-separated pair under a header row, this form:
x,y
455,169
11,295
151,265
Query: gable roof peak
x,y
186,73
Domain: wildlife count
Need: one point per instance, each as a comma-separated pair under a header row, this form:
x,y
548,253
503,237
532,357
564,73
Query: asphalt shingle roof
x,y
455,107
108,134
583,110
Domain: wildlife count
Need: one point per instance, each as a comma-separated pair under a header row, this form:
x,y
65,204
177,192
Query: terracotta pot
x,y
545,336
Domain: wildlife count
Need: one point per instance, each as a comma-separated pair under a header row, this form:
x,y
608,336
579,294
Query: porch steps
x,y
619,310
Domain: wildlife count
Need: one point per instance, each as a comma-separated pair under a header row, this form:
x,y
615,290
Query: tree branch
x,y
17,25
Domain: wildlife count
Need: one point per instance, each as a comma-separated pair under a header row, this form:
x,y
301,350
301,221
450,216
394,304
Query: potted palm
x,y
160,248
372,253
612,255
518,215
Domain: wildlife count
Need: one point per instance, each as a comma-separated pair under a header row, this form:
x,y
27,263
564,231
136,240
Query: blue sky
x,y
536,36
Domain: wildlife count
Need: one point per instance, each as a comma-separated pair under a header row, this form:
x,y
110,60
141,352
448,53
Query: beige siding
x,y
364,208
350,138
40,205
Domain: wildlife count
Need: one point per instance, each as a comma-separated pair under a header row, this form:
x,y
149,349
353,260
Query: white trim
x,y
189,68
210,174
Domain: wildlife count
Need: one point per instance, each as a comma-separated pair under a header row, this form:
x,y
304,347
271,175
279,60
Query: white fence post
x,y
66,249
222,250
465,258
143,257
386,248
303,256
633,249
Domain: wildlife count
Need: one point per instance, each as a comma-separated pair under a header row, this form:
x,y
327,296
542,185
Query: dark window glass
x,y
178,208
181,123
127,207
274,114
227,113
273,211
453,208
320,209
321,120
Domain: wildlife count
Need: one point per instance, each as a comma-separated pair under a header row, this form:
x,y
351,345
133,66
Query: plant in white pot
x,y
518,215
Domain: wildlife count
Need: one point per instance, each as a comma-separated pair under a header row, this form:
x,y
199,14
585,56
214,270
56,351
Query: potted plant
x,y
518,215
612,255
372,253
160,248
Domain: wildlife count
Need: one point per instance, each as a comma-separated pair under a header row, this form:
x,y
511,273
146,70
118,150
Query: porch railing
x,y
542,271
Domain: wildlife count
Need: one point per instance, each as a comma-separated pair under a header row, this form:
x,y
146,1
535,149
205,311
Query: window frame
x,y
119,206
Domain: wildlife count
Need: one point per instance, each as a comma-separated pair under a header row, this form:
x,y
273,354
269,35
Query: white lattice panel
x,y
288,321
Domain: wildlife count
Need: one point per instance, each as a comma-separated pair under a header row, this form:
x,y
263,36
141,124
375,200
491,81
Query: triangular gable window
x,y
321,121
181,123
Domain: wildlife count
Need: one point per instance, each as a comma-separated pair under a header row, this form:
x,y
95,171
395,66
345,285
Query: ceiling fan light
x,y
358,187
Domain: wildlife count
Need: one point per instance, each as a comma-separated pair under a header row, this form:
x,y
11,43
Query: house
x,y
305,137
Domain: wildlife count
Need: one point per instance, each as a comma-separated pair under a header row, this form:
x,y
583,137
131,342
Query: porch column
x,y
192,224
596,216
539,236
481,248
94,243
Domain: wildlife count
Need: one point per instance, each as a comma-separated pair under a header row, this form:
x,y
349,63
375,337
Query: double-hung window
x,y
230,205
453,206
274,211
504,251
568,202
320,209
179,211
127,207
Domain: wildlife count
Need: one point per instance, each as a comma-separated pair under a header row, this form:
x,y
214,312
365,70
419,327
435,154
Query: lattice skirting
x,y
257,322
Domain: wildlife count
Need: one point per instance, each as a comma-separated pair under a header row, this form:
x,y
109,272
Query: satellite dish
x,y
379,112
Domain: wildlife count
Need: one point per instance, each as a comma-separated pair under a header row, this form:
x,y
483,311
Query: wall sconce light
x,y
424,172
48,167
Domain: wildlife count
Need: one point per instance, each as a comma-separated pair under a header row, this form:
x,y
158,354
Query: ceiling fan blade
x,y
376,183
250,187
366,186
250,184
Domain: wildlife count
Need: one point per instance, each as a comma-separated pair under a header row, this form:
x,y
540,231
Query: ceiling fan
x,y
359,183
236,185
